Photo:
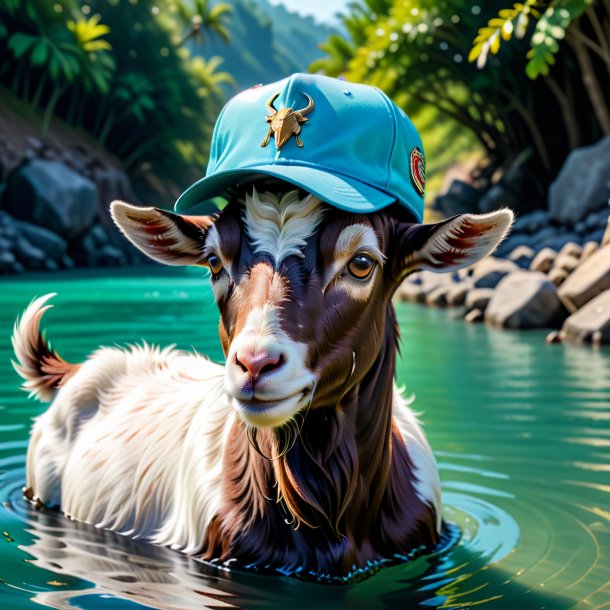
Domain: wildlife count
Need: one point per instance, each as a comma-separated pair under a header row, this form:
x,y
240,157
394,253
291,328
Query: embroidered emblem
x,y
417,165
286,122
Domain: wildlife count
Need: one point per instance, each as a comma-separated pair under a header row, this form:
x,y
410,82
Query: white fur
x,y
262,332
280,226
427,484
134,441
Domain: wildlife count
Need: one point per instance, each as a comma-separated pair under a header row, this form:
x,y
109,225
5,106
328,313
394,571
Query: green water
x,y
521,431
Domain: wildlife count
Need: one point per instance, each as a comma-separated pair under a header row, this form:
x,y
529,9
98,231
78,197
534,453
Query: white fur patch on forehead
x,y
280,226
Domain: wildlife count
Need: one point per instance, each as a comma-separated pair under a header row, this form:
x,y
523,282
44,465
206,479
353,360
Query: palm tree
x,y
205,17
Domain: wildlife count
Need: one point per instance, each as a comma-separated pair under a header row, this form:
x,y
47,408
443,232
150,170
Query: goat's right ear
x,y
169,238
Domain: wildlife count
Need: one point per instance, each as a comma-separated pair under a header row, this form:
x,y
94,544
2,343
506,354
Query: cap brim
x,y
340,191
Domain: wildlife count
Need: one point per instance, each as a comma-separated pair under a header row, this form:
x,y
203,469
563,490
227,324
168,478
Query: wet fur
x,y
147,443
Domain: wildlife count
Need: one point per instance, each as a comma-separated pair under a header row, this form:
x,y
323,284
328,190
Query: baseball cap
x,y
346,143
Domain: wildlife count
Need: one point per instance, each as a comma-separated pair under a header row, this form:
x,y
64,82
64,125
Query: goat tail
x,y
37,362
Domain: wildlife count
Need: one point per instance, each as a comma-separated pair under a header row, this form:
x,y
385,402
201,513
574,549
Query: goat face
x,y
303,288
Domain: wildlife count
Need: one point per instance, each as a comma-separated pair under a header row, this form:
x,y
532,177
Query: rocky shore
x,y
553,270
566,289
54,197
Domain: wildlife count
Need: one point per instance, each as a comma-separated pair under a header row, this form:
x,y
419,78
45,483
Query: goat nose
x,y
256,363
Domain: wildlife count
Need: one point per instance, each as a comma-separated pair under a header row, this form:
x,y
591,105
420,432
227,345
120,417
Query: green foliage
x,y
514,20
267,43
117,70
205,17
418,51
550,28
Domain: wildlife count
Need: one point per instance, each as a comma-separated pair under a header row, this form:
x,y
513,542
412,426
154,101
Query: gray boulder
x,y
530,223
498,196
489,272
456,295
459,199
50,194
606,237
29,255
524,299
522,256
597,219
566,262
588,250
571,196
543,261
438,296
591,323
50,243
479,298
590,279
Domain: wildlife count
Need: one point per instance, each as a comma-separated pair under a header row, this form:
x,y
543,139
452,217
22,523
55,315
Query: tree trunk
x,y
567,112
590,81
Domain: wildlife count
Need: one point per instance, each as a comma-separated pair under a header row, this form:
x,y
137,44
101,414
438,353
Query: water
x,y
521,431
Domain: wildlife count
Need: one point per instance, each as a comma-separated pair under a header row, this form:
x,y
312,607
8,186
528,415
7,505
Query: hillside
x,y
267,43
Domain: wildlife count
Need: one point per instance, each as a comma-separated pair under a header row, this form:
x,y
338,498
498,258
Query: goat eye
x,y
215,264
361,266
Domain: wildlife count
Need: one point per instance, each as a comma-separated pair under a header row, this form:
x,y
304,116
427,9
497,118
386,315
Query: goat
x,y
299,455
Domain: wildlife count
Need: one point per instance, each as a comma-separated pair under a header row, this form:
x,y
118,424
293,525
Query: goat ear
x,y
452,244
169,238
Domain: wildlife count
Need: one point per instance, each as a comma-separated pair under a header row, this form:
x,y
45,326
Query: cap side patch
x,y
417,167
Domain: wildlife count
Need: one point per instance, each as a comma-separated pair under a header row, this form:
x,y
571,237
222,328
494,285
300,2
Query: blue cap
x,y
346,143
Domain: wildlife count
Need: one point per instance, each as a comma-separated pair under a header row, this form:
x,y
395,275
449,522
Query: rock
x,y
543,261
591,322
473,316
438,296
596,235
479,298
542,235
530,223
587,250
498,196
7,260
50,265
110,256
31,256
456,294
50,194
460,198
590,279
524,299
67,262
559,240
98,235
490,271
571,197
566,262
6,244
557,275
553,337
522,256
411,292
598,219
511,243
50,243
606,238
571,249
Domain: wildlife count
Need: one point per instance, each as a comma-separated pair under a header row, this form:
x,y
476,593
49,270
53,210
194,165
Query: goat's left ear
x,y
452,244
168,238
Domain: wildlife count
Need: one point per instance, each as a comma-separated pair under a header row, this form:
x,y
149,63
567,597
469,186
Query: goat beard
x,y
316,471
